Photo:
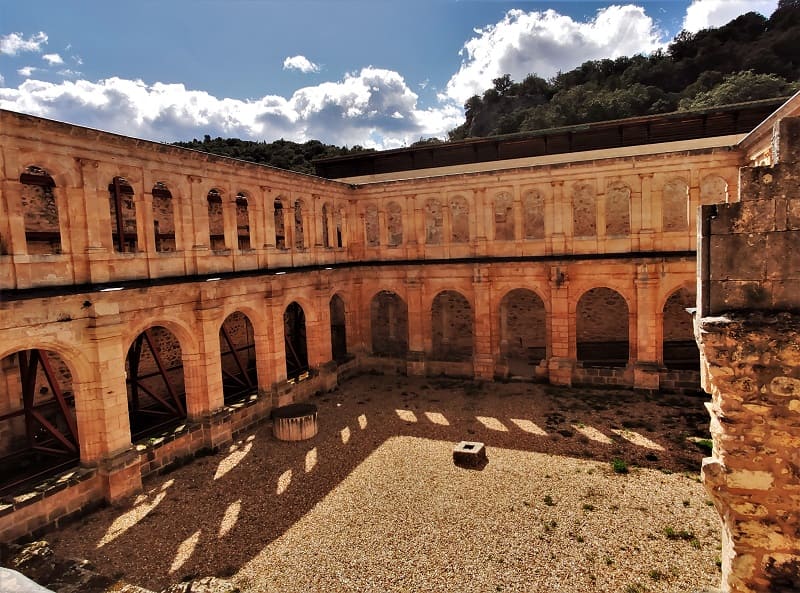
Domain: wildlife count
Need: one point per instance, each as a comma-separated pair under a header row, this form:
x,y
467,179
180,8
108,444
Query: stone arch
x,y
280,223
602,328
679,348
338,318
299,229
533,214
243,222
394,222
372,226
451,327
40,433
713,190
163,218
69,176
326,220
388,315
122,204
618,209
584,210
675,205
216,220
459,220
238,357
523,331
295,341
504,217
155,382
434,222
40,211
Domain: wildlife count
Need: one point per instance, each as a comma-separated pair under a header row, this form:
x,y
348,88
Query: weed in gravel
x,y
619,466
587,507
635,588
681,534
657,575
548,500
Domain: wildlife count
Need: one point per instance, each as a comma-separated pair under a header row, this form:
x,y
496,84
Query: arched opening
x,y
451,324
679,347
299,237
388,315
675,205
326,218
163,218
713,190
280,229
40,211
155,381
394,222
123,216
434,222
372,227
294,331
618,209
459,217
584,211
38,427
602,328
242,222
237,348
533,205
338,329
504,217
338,222
523,331
216,221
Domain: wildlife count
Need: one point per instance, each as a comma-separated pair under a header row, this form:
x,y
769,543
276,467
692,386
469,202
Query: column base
x,y
121,476
415,363
217,430
646,376
560,370
483,367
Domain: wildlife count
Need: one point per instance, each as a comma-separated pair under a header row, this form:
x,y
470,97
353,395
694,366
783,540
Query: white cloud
x,y
702,14
2,79
53,59
301,63
14,43
26,71
373,108
69,73
545,42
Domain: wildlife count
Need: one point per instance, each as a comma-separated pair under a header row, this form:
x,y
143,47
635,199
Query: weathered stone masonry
x,y
748,328
419,275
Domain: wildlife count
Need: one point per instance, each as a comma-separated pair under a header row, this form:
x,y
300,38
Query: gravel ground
x,y
374,502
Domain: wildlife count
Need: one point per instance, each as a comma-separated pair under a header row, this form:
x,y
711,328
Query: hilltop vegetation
x,y
750,58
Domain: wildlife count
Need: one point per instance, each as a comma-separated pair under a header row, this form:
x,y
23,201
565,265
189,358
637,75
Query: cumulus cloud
x,y
373,107
702,14
26,71
53,59
14,43
546,42
301,63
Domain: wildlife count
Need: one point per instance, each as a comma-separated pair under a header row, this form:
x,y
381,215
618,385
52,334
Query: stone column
x,y
203,369
561,213
416,326
645,364
482,357
562,329
642,218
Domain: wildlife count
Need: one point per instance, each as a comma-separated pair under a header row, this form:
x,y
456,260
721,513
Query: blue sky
x,y
380,73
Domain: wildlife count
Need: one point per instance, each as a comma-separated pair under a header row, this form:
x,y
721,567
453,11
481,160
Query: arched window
x,y
216,221
459,218
602,328
299,237
338,329
294,331
163,218
242,222
523,331
713,190
123,216
618,209
40,211
326,219
679,346
504,217
388,315
533,205
338,223
394,222
675,205
238,351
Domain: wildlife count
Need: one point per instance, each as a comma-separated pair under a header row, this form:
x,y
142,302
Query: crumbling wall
x,y
459,217
618,209
394,220
451,327
748,329
533,215
389,324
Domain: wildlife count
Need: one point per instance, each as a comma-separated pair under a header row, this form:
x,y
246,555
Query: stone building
x,y
156,301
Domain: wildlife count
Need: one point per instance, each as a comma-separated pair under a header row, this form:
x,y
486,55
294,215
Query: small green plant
x,y
588,507
686,503
705,445
609,560
579,539
684,535
656,575
548,500
635,588
619,466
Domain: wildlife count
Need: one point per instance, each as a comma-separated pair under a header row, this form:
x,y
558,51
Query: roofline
x,y
765,127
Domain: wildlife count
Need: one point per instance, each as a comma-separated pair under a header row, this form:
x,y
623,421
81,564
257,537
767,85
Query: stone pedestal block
x,y
121,476
469,454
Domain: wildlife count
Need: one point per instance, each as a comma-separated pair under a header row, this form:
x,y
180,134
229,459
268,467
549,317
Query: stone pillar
x,y
269,217
416,326
101,408
562,329
203,369
482,357
558,229
645,318
642,218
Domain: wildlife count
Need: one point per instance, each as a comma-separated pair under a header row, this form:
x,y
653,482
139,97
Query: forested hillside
x,y
752,57
283,154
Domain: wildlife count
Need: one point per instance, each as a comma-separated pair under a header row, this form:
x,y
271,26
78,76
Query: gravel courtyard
x,y
374,502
